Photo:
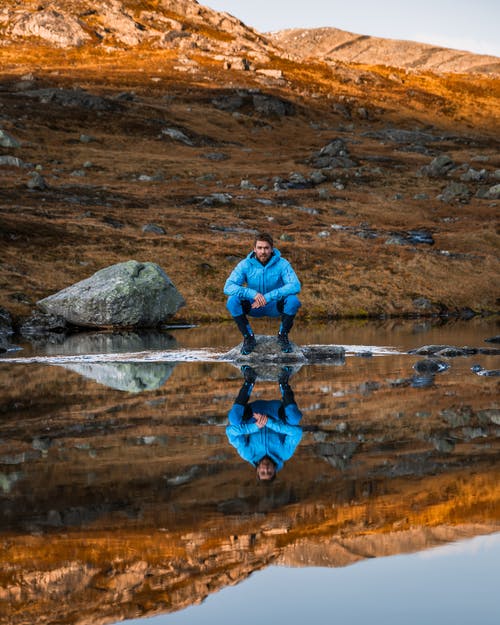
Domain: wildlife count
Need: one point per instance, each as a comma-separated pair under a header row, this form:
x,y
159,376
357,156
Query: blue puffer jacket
x,y
274,281
277,439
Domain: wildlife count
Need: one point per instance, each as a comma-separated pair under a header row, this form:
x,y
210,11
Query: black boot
x,y
249,342
285,327
285,388
245,391
249,374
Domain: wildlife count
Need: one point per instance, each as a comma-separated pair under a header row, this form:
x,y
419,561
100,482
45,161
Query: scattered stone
x,y
41,324
431,365
263,104
489,351
493,193
36,182
317,177
216,156
74,98
7,140
457,417
474,175
333,155
412,237
12,161
111,221
86,138
153,229
398,135
177,135
443,445
453,352
123,295
455,191
246,184
479,370
217,199
272,106
493,339
438,167
423,303
421,196
337,455
430,350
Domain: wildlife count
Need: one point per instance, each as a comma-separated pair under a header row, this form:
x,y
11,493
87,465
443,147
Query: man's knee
x,y
291,305
236,306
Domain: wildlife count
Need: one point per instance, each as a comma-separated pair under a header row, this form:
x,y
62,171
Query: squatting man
x,y
263,284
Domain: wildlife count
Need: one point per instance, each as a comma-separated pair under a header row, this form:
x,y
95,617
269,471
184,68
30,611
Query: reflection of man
x,y
265,433
263,284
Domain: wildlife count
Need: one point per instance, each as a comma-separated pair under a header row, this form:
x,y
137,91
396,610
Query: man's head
x,y
263,247
266,470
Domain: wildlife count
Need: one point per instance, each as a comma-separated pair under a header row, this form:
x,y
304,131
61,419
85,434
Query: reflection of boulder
x,y
112,343
270,371
126,376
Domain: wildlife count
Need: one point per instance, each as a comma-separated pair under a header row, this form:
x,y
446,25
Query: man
x,y
265,433
263,285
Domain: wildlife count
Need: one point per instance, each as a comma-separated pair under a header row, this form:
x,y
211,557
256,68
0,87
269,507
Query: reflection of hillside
x,y
111,501
163,565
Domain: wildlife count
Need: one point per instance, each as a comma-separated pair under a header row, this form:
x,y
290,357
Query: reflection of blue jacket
x,y
277,439
274,281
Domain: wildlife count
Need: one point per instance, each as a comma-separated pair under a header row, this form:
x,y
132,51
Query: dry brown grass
x,y
51,239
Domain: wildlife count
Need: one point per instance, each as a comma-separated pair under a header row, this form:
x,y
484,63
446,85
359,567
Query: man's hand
x,y
259,301
260,419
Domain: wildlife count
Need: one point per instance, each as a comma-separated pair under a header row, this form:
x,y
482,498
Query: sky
x,y
471,25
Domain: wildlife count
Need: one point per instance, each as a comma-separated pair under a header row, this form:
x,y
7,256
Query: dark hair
x,y
271,479
264,236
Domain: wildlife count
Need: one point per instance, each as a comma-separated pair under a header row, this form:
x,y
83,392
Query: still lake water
x,y
123,499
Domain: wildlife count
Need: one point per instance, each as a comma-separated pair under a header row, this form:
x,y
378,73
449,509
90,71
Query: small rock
x,y
11,161
7,140
86,138
493,193
153,229
438,167
217,199
36,182
41,324
456,191
216,156
423,303
177,135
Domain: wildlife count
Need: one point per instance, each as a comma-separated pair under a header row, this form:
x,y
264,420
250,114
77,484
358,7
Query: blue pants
x,y
288,305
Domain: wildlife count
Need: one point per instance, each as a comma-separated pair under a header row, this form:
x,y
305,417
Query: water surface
x,y
122,497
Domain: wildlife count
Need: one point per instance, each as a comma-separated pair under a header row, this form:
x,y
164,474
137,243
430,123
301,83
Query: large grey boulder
x,y
129,294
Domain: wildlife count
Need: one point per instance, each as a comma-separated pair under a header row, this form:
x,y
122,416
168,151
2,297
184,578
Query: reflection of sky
x,y
456,584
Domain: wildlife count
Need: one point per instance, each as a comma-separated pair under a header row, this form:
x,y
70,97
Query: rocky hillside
x,y
167,132
333,45
119,24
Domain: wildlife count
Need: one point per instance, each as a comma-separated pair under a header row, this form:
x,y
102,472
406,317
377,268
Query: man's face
x,y
263,251
266,469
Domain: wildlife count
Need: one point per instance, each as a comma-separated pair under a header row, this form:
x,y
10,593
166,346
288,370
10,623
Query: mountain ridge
x,y
188,25
333,44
